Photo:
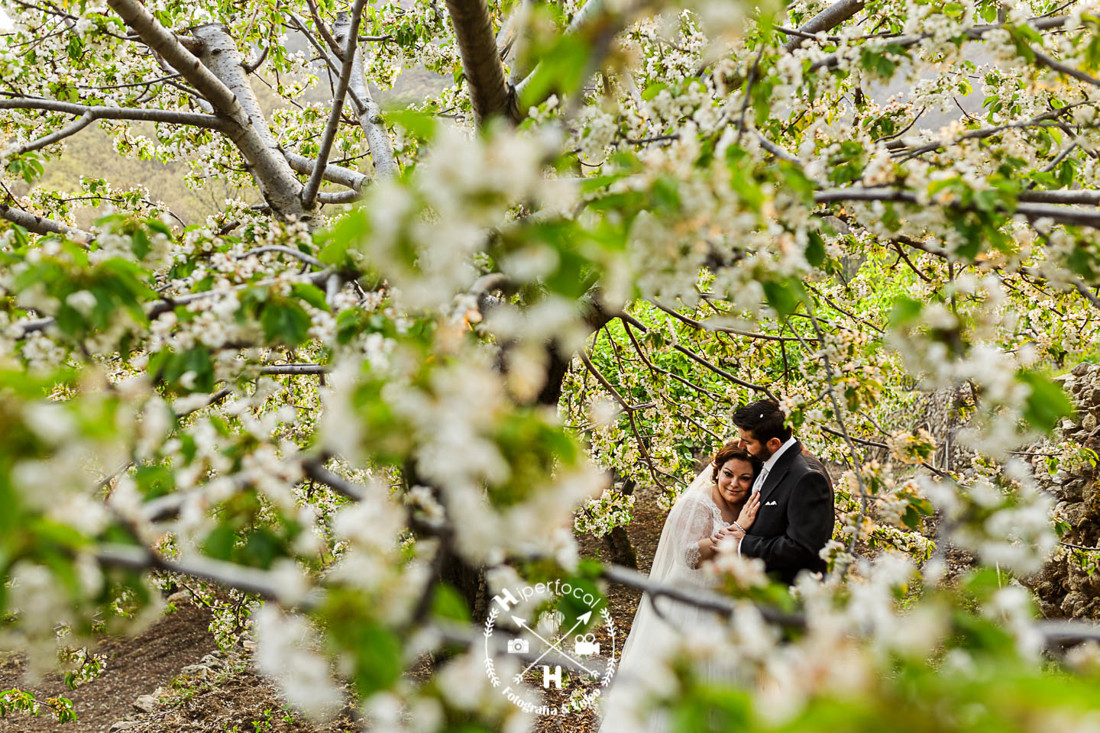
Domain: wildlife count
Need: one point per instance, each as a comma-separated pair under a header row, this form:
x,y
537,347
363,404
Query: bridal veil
x,y
661,624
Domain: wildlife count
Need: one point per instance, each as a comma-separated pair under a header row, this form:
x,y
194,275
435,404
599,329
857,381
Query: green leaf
x,y
448,603
141,244
344,235
572,604
220,542
195,360
742,181
665,196
421,125
783,296
155,481
653,89
377,658
905,310
1047,403
815,250
310,294
261,547
561,70
285,321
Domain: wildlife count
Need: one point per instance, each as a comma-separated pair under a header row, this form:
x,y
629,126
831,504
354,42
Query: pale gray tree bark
x,y
367,110
171,117
827,19
333,173
41,225
218,52
217,73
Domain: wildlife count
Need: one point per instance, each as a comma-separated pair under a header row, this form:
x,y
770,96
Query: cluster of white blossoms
x,y
1009,530
600,515
288,652
334,413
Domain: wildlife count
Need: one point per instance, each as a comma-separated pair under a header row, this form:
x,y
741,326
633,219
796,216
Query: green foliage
x,y
1046,404
19,701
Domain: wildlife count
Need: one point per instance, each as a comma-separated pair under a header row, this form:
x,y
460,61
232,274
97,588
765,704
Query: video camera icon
x,y
519,646
585,645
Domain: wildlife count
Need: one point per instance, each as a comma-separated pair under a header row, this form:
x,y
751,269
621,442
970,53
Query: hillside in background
x,y
93,154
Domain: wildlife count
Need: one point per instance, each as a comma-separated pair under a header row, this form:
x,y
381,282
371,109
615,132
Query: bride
x,y
718,498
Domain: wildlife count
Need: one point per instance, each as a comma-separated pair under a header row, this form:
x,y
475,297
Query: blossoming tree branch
x,y
427,345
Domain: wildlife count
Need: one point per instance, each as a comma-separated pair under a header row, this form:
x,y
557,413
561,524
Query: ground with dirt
x,y
135,667
196,691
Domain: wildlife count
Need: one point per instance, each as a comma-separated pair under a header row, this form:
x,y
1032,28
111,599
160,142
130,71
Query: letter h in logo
x,y
507,601
547,678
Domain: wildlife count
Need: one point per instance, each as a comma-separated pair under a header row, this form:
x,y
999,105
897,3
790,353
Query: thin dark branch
x,y
168,46
610,387
226,574
251,67
315,469
914,268
628,321
704,326
309,192
722,372
323,30
839,416
159,307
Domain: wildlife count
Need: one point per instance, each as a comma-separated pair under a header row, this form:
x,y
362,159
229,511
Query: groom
x,y
795,518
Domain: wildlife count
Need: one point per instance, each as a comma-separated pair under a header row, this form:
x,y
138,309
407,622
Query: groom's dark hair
x,y
764,419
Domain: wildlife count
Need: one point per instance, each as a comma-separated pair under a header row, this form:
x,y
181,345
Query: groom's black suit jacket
x,y
795,519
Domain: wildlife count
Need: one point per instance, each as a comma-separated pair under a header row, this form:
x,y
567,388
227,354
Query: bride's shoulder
x,y
695,501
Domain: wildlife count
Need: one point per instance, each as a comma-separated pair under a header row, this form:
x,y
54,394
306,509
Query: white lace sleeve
x,y
694,522
690,520
692,555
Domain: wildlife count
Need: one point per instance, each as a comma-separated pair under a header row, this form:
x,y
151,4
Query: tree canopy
x,y
429,341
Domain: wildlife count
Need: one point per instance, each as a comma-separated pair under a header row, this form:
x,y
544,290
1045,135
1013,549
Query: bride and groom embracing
x,y
761,492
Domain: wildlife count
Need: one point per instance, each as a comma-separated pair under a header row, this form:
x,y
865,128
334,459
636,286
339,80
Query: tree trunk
x,y
469,581
489,93
281,188
622,550
618,541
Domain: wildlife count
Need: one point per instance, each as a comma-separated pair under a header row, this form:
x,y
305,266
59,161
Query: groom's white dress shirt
x,y
769,464
758,484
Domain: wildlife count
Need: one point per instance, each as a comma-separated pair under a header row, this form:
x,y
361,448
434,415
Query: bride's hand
x,y
725,532
748,512
707,550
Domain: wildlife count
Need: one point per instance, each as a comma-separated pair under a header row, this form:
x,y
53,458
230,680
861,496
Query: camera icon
x,y
519,646
585,645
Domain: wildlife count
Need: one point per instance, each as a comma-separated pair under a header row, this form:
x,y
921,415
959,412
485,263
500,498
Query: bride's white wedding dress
x,y
641,677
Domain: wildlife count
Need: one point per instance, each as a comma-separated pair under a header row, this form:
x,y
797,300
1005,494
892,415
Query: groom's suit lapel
x,y
779,472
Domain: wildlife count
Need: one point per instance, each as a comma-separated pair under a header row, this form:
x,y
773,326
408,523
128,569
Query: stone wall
x,y
1065,586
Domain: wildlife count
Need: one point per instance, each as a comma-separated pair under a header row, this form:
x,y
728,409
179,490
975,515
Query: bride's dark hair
x,y
730,451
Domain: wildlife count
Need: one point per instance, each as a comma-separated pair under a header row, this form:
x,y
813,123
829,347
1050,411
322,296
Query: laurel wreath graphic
x,y
610,671
490,668
605,680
